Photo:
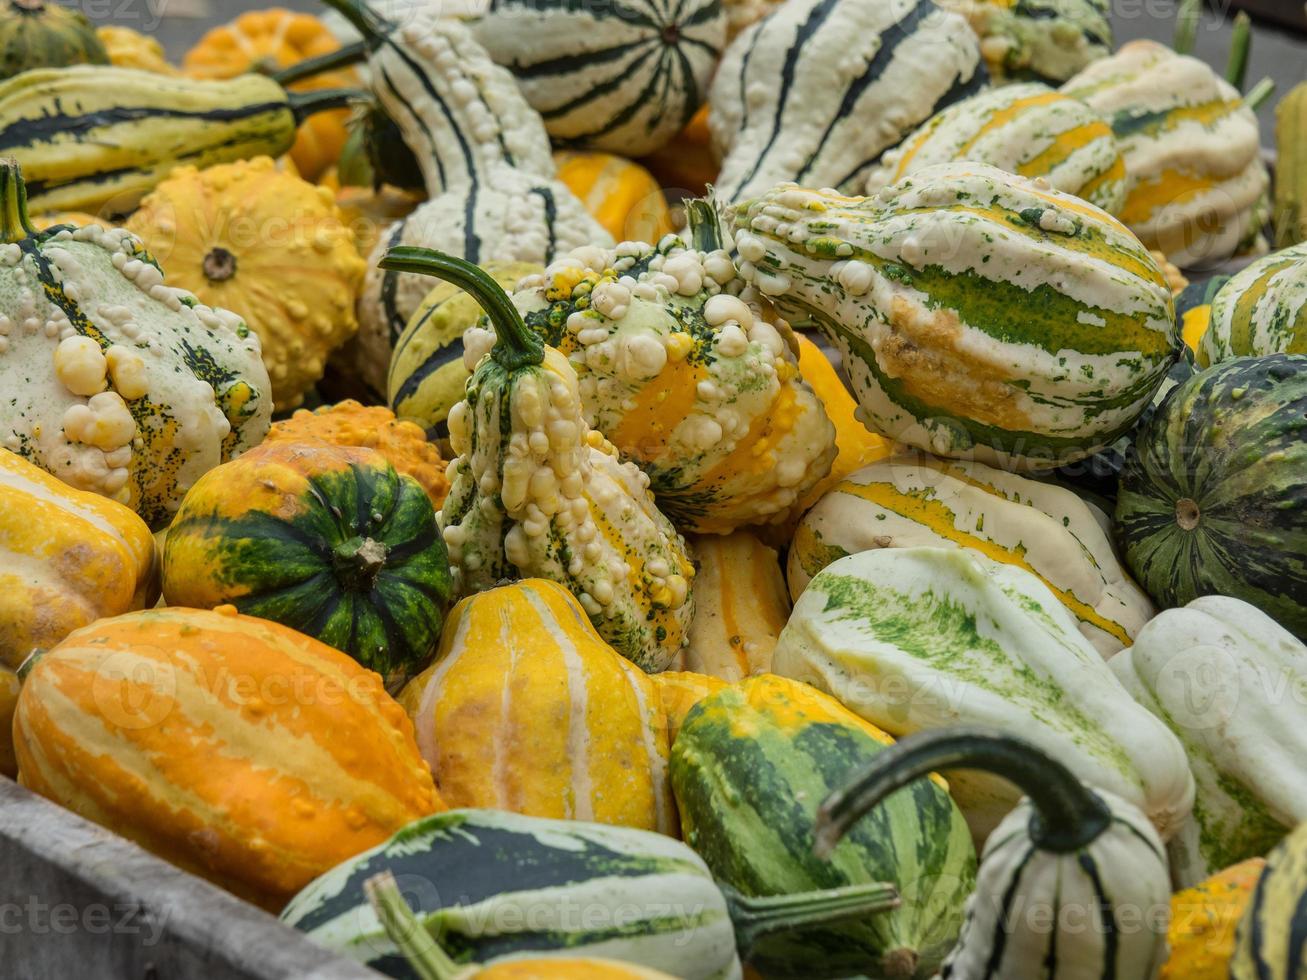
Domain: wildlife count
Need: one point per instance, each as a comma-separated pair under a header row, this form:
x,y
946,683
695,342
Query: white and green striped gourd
x,y
979,313
1261,310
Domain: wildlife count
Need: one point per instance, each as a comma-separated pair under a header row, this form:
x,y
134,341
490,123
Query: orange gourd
x,y
681,690
1203,923
620,194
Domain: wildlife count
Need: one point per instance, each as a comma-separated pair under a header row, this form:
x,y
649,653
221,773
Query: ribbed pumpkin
x,y
235,748
45,34
686,164
1048,40
250,238
620,194
403,444
127,48
1261,310
526,709
67,558
679,691
329,540
265,40
8,704
1024,129
1204,920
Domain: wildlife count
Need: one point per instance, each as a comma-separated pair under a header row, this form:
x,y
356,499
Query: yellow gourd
x,y
247,237
620,194
681,690
266,40
132,49
8,702
44,222
1203,922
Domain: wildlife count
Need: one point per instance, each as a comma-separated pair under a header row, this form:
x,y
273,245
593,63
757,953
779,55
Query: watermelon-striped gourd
x,y
818,91
978,313
1261,310
1213,500
622,78
914,500
328,540
497,885
1027,129
1268,943
1198,187
526,709
233,747
1045,40
750,767
919,639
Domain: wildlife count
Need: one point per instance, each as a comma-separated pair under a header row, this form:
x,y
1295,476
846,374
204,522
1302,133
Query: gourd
x,y
1193,310
127,48
914,500
526,709
45,34
740,606
978,313
619,193
871,73
536,493
1219,673
99,139
679,691
1089,861
619,79
744,13
687,164
495,877
328,540
368,213
1027,129
1046,40
200,224
698,387
1267,944
402,443
1198,187
750,767
1290,217
919,639
1262,309
115,382
264,41
215,741
8,704
67,558
1203,922
1211,502
427,374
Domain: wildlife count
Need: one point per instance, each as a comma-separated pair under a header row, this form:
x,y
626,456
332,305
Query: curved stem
x,y
515,344
363,18
1259,94
758,916
1068,815
423,953
1236,69
15,225
344,57
705,224
305,104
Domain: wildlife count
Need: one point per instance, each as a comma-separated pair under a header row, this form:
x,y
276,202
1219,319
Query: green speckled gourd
x,y
535,492
978,312
46,34
1291,168
114,382
1261,310
1043,40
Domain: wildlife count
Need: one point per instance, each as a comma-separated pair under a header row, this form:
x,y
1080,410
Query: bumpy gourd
x,y
978,313
918,639
127,48
870,73
1027,129
129,723
1204,920
621,195
46,34
699,387
526,709
300,316
67,558
115,382
1191,147
1046,40
1261,310
1268,943
914,500
535,492
1290,167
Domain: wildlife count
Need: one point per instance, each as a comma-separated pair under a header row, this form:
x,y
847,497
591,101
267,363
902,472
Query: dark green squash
x,y
45,34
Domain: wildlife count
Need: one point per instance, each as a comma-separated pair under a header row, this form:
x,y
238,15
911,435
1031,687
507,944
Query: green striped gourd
x,y
978,313
1198,187
917,639
620,78
750,767
1041,40
1069,885
496,885
1212,502
1262,309
1268,944
46,34
1291,168
427,374
1223,676
914,500
1026,129
871,72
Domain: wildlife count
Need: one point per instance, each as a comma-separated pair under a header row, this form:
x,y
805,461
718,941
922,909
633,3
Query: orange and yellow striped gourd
x,y
620,194
681,690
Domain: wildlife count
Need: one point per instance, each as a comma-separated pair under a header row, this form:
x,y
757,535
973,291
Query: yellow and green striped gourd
x,y
1261,310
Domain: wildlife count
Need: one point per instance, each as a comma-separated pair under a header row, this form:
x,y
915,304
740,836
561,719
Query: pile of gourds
x,y
430,514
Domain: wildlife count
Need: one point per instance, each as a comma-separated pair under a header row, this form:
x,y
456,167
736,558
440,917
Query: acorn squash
x,y
1204,919
1261,309
46,34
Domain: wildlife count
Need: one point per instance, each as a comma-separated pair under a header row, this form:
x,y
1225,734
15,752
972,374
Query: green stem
x,y
1259,94
363,18
423,953
755,917
1236,69
15,225
1186,25
705,223
305,104
332,61
516,345
1068,815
